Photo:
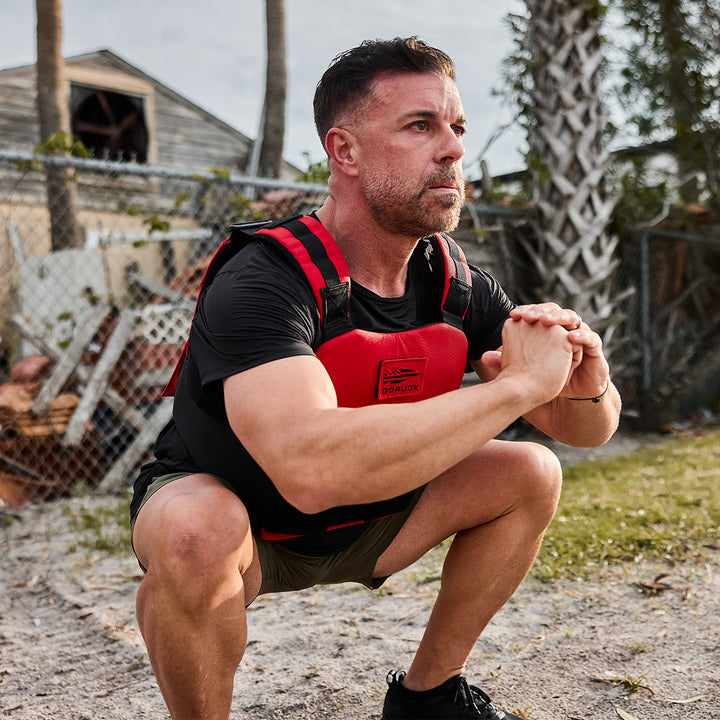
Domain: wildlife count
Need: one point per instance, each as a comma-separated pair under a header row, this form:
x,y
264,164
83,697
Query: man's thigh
x,y
486,485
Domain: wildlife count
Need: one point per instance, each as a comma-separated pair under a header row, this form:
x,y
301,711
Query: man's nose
x,y
451,148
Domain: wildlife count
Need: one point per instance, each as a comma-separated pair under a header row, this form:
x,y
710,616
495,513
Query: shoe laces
x,y
473,697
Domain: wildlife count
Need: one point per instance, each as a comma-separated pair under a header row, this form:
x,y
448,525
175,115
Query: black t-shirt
x,y
260,308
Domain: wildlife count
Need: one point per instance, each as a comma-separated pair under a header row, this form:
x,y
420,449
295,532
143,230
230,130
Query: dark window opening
x,y
110,124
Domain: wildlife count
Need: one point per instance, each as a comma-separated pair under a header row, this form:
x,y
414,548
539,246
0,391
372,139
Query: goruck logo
x,y
401,378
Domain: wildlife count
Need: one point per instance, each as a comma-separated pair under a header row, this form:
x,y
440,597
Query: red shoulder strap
x,y
312,247
317,254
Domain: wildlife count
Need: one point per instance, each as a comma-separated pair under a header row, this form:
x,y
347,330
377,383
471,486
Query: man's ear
x,y
340,146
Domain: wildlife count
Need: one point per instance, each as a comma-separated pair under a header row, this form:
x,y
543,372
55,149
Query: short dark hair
x,y
346,84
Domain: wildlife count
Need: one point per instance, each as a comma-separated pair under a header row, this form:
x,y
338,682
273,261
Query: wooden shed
x,y
118,110
126,116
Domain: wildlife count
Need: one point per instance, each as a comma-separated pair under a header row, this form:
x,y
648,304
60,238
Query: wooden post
x,y
98,380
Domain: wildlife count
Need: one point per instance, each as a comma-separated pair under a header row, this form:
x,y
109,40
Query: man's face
x,y
410,154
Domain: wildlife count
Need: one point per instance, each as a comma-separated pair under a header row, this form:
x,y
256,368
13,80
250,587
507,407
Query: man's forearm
x,y
580,423
320,455
374,453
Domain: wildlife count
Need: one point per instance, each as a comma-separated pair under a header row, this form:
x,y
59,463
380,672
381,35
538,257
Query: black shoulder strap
x,y
458,281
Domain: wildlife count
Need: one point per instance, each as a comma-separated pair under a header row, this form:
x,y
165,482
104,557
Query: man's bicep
x,y
267,405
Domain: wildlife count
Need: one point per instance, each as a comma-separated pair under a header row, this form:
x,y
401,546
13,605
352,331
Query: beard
x,y
409,209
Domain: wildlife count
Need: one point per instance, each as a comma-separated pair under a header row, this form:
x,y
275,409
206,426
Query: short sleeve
x,y
489,309
257,309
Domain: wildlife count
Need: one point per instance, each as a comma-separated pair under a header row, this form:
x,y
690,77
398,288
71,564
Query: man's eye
x,y
459,130
421,124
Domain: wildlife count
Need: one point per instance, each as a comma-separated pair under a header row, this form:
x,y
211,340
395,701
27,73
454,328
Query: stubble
x,y
414,211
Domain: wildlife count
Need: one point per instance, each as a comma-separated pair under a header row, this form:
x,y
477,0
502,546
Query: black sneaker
x,y
453,699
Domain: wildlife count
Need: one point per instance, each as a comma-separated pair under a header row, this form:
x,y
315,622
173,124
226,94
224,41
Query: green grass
x,y
104,528
661,503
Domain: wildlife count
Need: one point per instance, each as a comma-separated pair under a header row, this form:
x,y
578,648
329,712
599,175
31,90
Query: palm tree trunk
x,y
54,117
574,257
275,89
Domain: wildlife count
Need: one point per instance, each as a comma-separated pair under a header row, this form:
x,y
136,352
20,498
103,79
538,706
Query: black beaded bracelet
x,y
594,399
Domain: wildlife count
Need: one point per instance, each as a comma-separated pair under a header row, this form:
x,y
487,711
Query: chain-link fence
x,y
664,343
94,312
91,325
672,334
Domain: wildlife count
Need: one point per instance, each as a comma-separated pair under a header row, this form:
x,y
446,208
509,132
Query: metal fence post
x,y
646,327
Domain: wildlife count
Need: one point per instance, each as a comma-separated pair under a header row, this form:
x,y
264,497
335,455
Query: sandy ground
x,y
70,648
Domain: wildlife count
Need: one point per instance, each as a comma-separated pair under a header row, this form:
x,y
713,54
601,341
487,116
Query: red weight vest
x,y
365,367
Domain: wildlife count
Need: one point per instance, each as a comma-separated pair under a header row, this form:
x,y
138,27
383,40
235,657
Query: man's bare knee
x,y
202,538
543,473
195,567
199,539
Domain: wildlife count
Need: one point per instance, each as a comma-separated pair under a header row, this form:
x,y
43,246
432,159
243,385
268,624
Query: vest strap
x,y
312,248
458,288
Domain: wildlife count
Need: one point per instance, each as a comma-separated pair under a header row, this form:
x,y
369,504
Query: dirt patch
x,y
70,648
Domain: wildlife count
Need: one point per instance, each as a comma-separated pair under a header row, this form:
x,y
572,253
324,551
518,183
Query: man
x,y
319,432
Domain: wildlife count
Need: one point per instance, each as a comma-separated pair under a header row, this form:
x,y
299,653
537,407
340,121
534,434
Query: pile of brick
x,y
34,463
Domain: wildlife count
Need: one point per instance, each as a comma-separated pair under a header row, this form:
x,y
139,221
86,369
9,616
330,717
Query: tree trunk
x,y
684,89
573,255
275,89
54,117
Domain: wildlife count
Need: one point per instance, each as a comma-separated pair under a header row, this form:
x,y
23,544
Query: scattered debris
x,y
629,683
655,587
696,698
624,715
61,414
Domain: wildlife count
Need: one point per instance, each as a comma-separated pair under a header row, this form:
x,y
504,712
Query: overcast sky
x,y
213,53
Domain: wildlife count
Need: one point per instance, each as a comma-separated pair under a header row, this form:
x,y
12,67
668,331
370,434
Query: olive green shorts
x,y
284,569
